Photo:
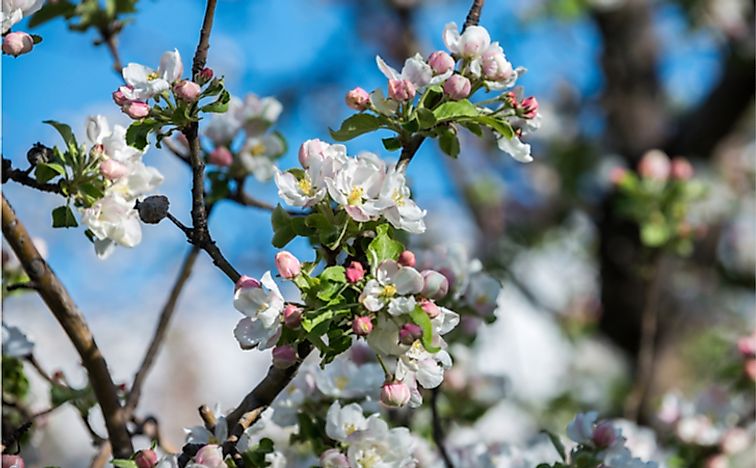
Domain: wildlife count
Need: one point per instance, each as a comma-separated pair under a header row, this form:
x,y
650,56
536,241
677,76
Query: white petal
x,y
387,71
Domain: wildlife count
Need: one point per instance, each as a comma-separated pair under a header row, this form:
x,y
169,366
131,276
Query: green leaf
x,y
355,126
421,319
334,273
497,125
52,10
218,106
557,443
15,382
66,133
655,233
455,109
283,230
309,324
391,144
383,247
138,131
122,463
63,217
426,118
449,143
44,172
36,39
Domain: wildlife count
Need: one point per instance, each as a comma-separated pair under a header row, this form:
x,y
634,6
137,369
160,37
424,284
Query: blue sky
x,y
266,47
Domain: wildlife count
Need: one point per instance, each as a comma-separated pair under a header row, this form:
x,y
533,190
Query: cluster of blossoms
x,y
657,197
143,83
258,149
17,43
112,219
442,85
365,186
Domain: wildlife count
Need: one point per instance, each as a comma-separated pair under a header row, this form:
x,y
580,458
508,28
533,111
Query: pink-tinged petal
x,y
387,71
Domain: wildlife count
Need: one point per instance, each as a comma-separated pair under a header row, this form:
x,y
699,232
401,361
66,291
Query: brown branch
x,y
109,38
473,17
409,149
438,431
56,297
22,177
160,331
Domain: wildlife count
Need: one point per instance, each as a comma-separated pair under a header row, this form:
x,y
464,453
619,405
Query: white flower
x,y
140,180
514,147
16,343
397,206
470,45
222,128
201,435
257,114
310,187
377,445
383,105
482,293
144,82
418,366
112,220
445,322
391,281
496,69
342,378
343,422
263,305
580,429
415,70
357,185
258,153
14,11
113,140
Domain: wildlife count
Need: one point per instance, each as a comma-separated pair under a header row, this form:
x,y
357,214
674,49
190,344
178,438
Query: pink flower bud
x,y
292,315
284,356
604,435
750,369
136,109
440,62
311,149
735,440
206,75
332,458
247,282
186,90
474,41
146,458
17,43
654,165
617,175
362,326
287,264
681,169
409,333
435,285
358,99
406,258
430,308
112,169
716,461
747,345
118,97
210,456
13,461
457,87
401,90
221,156
395,394
529,107
355,272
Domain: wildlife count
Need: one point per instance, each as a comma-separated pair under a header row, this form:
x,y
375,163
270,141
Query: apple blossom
x,y
284,356
342,422
358,99
529,107
209,456
495,67
136,109
262,304
406,258
203,436
397,207
395,394
441,62
258,153
112,220
288,265
292,315
354,272
17,43
332,458
362,326
357,186
605,435
113,170
655,165
146,458
186,90
311,150
415,76
12,461
435,285
346,379
580,429
391,282
470,44
681,169
144,82
221,156
457,87
14,11
514,147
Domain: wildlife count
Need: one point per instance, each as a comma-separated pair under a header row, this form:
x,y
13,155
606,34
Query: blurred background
x,y
615,78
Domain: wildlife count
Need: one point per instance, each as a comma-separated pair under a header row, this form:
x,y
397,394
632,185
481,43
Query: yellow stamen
x,y
388,291
355,196
398,198
341,382
258,149
305,186
153,76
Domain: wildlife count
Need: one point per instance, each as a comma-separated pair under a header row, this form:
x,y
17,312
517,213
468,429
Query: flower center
x,y
389,291
350,429
258,149
153,76
355,196
341,382
305,186
398,198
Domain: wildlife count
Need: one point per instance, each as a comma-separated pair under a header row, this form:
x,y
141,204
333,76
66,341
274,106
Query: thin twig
x,y
644,371
473,17
24,285
160,331
438,430
22,177
409,149
110,40
54,294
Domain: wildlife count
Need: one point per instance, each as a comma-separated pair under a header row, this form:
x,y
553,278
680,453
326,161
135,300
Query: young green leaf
x,y
449,143
355,126
218,106
334,273
63,217
421,319
499,126
65,132
383,247
454,110
138,131
426,118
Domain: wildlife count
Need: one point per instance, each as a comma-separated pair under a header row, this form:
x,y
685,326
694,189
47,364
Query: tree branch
x,y
70,318
473,17
22,177
160,331
438,430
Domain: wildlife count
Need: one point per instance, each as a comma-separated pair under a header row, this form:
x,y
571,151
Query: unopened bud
x,y
435,285
17,43
136,109
362,326
529,107
186,90
247,282
205,75
311,149
355,272
38,154
221,156
655,165
681,169
440,62
409,333
457,87
284,356
401,90
332,458
358,99
292,315
430,308
406,258
604,435
146,458
119,97
113,170
288,265
395,394
153,209
13,461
